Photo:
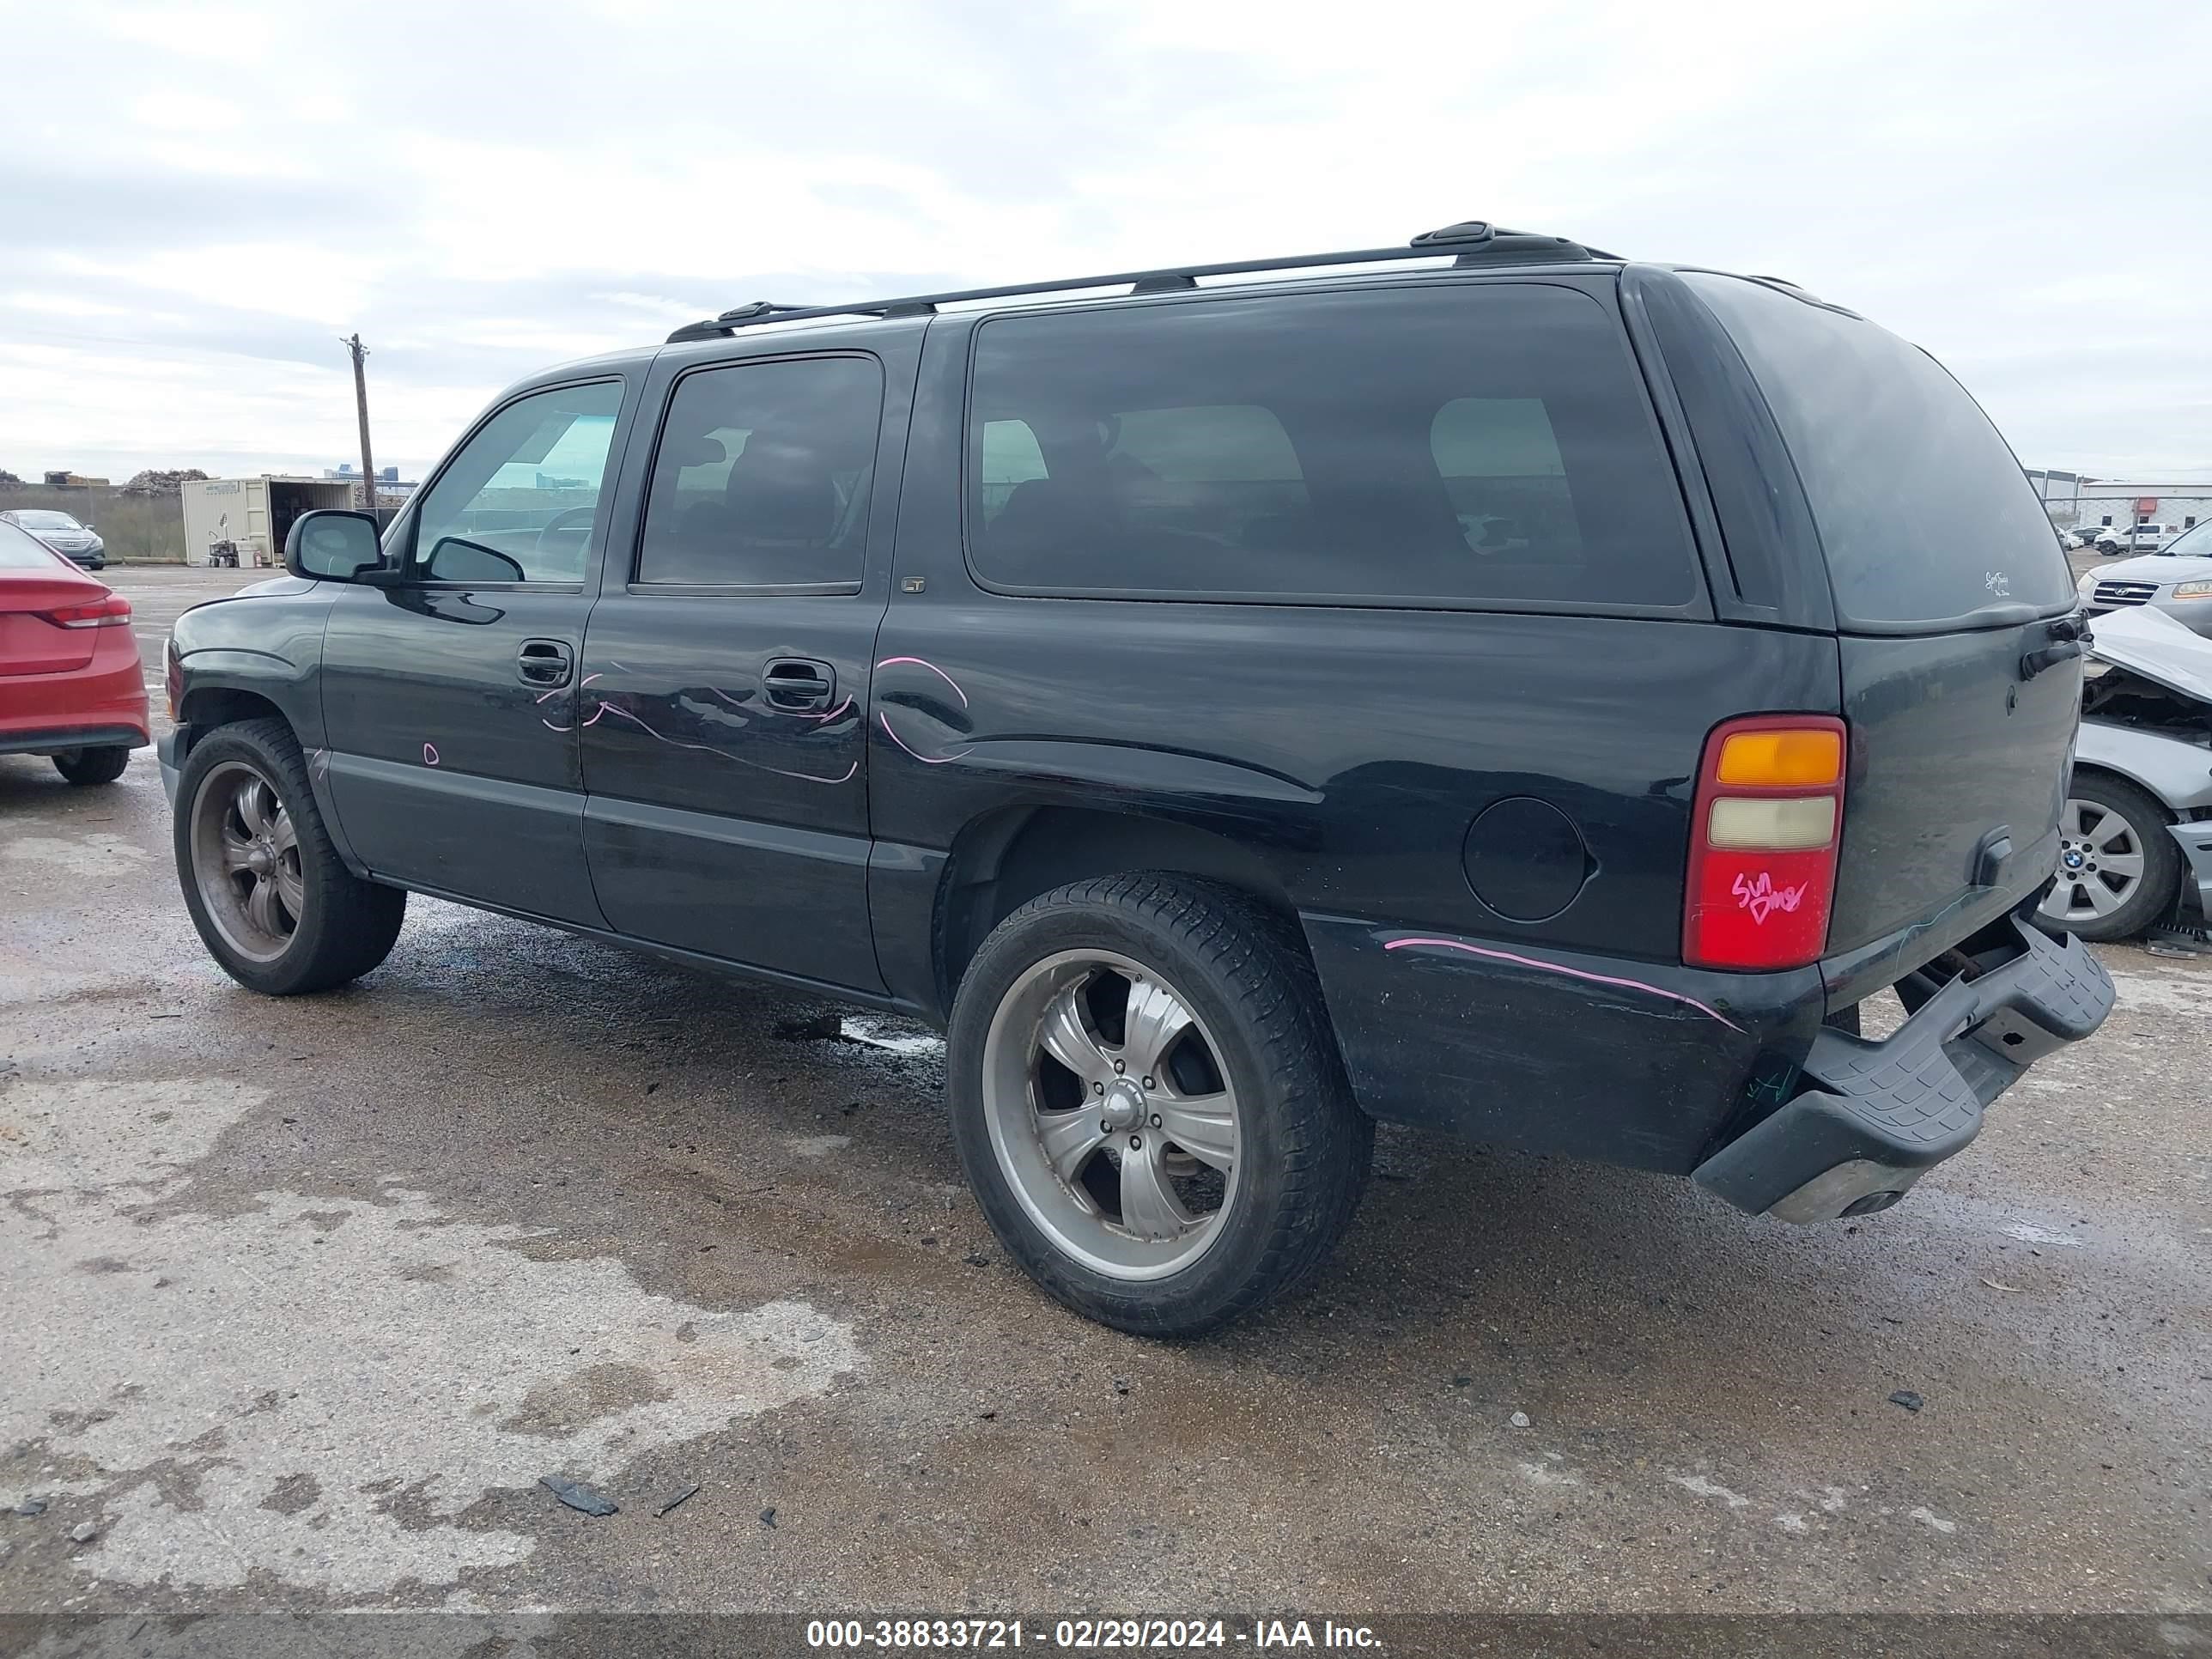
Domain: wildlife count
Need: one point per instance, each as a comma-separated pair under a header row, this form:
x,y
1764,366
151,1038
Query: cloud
x,y
230,193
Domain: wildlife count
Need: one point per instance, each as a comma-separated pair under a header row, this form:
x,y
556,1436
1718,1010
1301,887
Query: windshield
x,y
35,520
1923,511
2190,543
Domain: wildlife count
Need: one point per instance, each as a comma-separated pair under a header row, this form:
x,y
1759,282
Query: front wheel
x,y
2119,872
102,764
274,904
1149,1104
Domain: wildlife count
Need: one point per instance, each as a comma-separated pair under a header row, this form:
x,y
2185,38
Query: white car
x,y
2113,539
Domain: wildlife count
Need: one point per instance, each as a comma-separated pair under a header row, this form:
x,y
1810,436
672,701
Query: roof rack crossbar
x,y
1474,242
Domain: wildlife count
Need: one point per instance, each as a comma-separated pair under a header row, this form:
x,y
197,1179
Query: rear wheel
x,y
103,764
2119,872
1149,1104
273,902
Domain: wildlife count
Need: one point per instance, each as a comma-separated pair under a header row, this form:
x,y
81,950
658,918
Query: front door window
x,y
517,503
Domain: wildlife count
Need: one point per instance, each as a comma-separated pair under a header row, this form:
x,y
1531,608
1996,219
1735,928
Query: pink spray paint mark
x,y
921,662
1571,973
429,754
845,776
586,680
1762,897
927,760
554,692
596,713
550,727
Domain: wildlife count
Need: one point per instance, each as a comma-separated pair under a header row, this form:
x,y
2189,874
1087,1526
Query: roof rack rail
x,y
1475,241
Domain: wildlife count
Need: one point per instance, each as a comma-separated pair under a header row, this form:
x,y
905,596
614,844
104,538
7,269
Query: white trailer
x,y
255,512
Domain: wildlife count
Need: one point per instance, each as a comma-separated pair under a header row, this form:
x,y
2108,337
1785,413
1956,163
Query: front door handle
x,y
544,662
799,683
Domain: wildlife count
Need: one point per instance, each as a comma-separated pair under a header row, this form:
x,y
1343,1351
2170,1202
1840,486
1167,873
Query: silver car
x,y
72,540
2177,579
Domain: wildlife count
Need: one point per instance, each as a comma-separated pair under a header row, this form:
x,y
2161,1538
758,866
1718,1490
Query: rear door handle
x,y
544,662
799,683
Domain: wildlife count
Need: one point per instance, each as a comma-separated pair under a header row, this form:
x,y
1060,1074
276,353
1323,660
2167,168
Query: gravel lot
x,y
304,1297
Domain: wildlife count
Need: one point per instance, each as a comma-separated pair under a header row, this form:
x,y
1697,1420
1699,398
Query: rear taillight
x,y
112,612
1769,817
174,677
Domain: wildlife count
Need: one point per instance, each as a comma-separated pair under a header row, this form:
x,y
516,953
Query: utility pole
x,y
361,406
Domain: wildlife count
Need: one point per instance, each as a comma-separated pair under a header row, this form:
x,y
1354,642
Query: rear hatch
x,y
1946,575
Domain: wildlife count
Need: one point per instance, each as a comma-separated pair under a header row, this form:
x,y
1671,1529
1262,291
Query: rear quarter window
x,y
1466,444
1922,510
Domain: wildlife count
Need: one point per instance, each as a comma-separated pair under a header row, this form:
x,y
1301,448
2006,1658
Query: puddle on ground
x,y
903,1037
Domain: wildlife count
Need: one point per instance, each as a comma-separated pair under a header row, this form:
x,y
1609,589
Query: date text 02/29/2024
x,y
1086,1635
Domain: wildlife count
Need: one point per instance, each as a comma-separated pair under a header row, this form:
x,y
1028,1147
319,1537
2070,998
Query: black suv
x,y
1484,684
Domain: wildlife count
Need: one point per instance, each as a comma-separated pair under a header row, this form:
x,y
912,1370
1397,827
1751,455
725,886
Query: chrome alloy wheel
x,y
1111,1114
246,861
2100,864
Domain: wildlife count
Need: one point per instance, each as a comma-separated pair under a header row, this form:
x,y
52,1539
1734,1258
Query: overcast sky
x,y
197,201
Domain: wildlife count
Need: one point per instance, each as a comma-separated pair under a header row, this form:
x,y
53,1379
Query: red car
x,y
70,686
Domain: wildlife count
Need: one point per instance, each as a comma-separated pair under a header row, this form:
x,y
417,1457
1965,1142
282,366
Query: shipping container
x,y
255,512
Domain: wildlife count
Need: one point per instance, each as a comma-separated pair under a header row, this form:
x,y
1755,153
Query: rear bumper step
x,y
1873,1116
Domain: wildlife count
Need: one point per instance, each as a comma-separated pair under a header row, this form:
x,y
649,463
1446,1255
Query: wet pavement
x,y
305,1297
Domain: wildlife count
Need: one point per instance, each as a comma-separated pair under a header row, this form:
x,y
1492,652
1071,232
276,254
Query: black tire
x,y
2159,888
347,926
89,766
1307,1145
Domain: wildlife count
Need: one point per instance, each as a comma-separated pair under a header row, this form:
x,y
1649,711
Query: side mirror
x,y
332,545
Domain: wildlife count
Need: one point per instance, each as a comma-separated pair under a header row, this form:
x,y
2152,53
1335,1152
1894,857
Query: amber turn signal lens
x,y
1783,758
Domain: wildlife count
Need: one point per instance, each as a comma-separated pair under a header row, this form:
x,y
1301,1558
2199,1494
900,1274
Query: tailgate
x,y
1951,752
1946,575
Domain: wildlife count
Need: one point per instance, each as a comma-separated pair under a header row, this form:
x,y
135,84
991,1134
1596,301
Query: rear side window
x,y
1922,509
1461,444
763,475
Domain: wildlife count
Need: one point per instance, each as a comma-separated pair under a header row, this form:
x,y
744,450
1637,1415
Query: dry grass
x,y
146,528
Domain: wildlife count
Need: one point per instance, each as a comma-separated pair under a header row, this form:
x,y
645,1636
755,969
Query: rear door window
x,y
1922,509
762,476
1465,444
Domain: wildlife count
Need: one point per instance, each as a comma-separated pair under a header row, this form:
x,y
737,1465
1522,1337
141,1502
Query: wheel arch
x,y
205,707
210,703
1006,857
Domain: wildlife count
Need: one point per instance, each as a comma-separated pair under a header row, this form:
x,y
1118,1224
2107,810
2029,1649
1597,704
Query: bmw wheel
x,y
2119,872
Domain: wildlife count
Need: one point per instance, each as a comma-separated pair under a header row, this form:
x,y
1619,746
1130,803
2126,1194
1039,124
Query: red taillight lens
x,y
112,611
1770,817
